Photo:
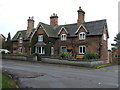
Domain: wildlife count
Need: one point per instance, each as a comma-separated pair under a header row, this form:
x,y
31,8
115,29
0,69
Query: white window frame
x,y
20,40
40,38
62,47
20,49
83,36
63,37
105,37
82,49
42,50
52,50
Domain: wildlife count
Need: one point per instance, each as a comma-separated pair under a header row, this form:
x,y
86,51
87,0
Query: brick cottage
x,y
53,39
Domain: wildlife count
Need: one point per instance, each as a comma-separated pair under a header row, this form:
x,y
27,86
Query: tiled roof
x,y
71,28
93,27
24,34
40,44
49,30
2,36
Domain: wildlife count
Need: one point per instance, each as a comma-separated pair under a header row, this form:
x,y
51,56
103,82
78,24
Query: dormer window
x,y
63,37
82,36
20,40
40,38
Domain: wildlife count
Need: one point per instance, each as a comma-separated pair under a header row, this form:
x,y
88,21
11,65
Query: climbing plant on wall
x,y
49,43
33,42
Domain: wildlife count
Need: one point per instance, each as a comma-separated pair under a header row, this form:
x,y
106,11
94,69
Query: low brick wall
x,y
85,63
19,57
76,63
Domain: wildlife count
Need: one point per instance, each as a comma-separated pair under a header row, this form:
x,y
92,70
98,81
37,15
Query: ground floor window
x,y
52,50
117,56
63,49
82,49
20,50
40,50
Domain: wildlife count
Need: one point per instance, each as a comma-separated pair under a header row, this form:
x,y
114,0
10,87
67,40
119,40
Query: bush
x,y
91,55
3,52
38,56
63,55
35,54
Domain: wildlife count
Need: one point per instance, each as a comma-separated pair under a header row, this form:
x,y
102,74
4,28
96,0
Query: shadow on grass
x,y
7,82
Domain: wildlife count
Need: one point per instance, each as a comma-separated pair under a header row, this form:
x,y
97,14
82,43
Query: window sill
x,y
81,53
81,39
63,40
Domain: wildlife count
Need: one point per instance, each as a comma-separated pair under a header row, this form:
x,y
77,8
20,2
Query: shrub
x,y
91,55
3,52
35,54
38,56
63,55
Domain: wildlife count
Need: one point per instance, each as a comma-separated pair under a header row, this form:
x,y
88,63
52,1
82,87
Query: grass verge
x,y
103,65
8,82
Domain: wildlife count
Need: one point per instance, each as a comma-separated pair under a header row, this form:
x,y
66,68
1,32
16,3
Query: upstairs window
x,y
20,40
63,37
82,36
40,38
52,50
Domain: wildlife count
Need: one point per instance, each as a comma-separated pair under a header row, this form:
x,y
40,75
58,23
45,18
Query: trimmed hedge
x,y
91,55
38,56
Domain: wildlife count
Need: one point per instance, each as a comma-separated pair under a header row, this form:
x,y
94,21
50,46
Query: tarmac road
x,y
40,75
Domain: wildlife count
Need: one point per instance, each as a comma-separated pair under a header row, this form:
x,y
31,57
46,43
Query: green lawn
x,y
7,82
102,65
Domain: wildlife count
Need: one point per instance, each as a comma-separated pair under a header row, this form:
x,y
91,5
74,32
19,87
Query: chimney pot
x,y
54,20
30,26
81,16
53,14
32,17
79,8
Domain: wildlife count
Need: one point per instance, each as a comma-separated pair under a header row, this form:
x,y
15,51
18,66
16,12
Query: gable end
x,y
80,27
62,28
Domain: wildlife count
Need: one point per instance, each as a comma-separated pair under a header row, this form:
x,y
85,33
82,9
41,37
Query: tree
x,y
9,42
117,40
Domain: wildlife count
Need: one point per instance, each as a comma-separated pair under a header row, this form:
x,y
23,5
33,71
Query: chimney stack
x,y
30,26
81,15
54,20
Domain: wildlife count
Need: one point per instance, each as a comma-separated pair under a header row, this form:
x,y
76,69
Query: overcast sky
x,y
14,13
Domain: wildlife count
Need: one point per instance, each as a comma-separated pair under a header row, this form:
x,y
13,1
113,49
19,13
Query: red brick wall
x,y
54,21
16,46
116,52
104,48
40,31
80,18
91,43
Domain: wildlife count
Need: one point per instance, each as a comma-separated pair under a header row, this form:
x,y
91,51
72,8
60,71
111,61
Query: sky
x,y
14,13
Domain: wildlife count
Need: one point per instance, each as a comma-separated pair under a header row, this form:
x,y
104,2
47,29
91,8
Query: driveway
x,y
41,75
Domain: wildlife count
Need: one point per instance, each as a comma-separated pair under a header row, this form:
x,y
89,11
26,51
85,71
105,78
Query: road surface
x,y
40,75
